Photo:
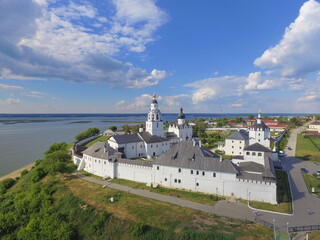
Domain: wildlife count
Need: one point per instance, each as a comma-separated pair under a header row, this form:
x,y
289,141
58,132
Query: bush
x,y
24,172
138,229
89,133
38,174
6,184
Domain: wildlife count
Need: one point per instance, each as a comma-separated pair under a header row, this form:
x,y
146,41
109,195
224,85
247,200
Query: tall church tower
x,y
154,124
259,133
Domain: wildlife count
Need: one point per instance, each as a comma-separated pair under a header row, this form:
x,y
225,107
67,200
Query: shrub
x,y
24,172
138,229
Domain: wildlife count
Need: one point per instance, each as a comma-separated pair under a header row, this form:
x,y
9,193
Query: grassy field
x,y
164,216
305,148
188,195
283,196
101,139
314,235
312,181
90,175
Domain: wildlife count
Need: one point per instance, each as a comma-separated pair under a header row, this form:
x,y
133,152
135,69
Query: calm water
x,y
24,137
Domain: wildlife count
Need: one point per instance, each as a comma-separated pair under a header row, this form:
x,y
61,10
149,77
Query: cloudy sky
x,y
106,56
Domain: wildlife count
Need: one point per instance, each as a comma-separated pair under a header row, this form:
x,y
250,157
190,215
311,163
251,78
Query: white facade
x,y
154,124
235,147
259,133
209,182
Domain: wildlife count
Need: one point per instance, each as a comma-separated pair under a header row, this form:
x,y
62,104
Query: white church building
x,y
154,141
179,161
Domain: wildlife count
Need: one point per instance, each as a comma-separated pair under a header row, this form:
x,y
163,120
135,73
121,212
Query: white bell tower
x,y
154,124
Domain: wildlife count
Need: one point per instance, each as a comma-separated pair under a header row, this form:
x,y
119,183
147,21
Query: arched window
x,y
253,154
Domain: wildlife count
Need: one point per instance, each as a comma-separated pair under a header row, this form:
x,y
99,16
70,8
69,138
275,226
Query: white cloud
x,y
138,78
237,105
258,82
166,103
10,87
307,98
120,103
10,101
298,51
77,41
210,88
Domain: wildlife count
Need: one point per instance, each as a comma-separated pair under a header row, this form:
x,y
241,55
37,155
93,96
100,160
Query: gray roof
x,y
239,135
257,125
185,155
253,176
251,167
148,138
265,173
103,151
135,162
257,147
170,135
128,138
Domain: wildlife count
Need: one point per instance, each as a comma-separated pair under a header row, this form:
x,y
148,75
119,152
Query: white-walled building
x,y
182,130
187,165
235,143
181,162
259,132
154,141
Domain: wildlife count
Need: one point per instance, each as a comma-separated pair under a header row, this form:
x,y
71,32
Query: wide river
x,y
24,138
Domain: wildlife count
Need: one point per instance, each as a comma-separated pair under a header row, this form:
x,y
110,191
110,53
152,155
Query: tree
x,y
89,133
238,119
126,129
113,128
135,129
6,184
250,116
56,146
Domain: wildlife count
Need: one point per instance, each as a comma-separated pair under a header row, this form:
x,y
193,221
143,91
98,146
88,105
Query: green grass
x,y
312,181
165,216
101,139
188,195
306,150
283,196
90,175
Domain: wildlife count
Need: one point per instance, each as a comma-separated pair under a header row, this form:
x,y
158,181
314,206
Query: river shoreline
x,y
17,173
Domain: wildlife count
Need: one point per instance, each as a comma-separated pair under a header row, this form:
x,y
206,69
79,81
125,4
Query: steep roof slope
x,y
239,135
187,155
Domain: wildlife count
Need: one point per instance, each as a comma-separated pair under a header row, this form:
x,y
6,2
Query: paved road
x,y
302,200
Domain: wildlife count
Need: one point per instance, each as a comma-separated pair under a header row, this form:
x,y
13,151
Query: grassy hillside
x,y
49,203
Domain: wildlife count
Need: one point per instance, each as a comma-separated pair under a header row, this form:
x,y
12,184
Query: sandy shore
x,y
17,173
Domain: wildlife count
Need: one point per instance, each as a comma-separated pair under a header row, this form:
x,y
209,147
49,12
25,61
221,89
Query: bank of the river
x,y
17,173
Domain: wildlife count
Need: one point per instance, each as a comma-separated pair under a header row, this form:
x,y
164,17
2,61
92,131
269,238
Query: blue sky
x,y
208,56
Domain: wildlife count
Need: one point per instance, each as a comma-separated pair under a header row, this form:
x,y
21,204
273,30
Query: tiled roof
x,y
102,151
257,147
239,135
128,138
185,155
148,138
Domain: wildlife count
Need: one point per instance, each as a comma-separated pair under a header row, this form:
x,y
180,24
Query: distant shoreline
x,y
17,173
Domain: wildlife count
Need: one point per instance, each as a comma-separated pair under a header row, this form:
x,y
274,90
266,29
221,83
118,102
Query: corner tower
x,y
154,124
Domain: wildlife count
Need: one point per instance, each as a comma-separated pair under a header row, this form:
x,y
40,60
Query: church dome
x,y
181,114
